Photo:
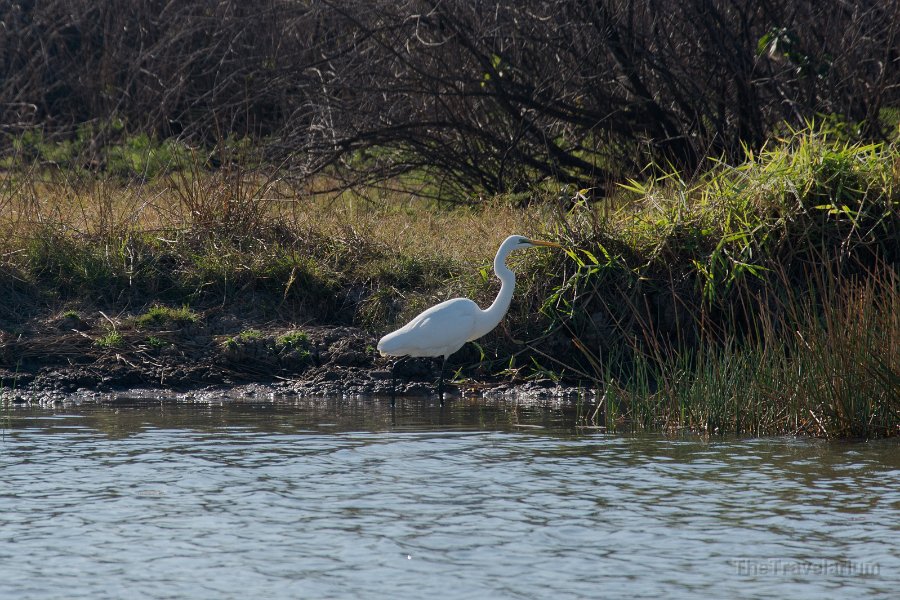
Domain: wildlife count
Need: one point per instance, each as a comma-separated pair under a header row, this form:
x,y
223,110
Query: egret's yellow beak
x,y
543,243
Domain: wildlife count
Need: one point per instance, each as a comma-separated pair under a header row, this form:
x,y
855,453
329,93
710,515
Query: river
x,y
343,498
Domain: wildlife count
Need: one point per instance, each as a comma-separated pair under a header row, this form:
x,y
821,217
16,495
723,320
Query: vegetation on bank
x,y
483,97
759,297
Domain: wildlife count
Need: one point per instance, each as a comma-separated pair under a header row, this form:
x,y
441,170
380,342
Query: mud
x,y
67,358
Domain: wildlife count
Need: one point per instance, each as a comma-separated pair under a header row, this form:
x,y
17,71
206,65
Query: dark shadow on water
x,y
127,414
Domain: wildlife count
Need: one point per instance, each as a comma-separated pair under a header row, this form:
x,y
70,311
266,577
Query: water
x,y
340,499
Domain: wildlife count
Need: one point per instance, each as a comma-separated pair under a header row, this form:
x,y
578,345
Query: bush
x,y
453,100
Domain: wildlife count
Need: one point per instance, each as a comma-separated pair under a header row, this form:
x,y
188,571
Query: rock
x,y
72,321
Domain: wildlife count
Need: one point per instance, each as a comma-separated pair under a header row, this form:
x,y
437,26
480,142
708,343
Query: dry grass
x,y
107,207
240,236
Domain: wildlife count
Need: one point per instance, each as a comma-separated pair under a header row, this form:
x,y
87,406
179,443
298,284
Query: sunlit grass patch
x,y
248,335
292,340
110,340
156,343
162,317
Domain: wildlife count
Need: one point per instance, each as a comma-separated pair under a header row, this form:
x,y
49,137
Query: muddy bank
x,y
99,358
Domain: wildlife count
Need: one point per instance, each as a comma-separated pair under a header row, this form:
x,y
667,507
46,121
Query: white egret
x,y
443,329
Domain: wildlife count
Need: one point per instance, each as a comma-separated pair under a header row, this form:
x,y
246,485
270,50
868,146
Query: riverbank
x,y
62,361
762,297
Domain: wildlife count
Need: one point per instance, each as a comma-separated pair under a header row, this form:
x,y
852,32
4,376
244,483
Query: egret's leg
x,y
441,382
397,363
394,380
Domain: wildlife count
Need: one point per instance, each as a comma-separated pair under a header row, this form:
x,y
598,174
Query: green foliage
x,y
249,335
254,348
245,337
67,264
834,374
164,317
734,223
122,265
156,342
111,340
122,155
292,340
784,43
142,156
731,302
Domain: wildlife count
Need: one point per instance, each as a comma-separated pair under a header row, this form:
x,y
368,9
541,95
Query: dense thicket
x,y
482,96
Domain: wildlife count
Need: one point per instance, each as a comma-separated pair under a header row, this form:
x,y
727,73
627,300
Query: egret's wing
x,y
453,321
438,331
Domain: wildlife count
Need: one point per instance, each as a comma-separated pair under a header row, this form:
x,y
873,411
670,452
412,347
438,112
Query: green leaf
x,y
636,187
571,254
591,257
763,44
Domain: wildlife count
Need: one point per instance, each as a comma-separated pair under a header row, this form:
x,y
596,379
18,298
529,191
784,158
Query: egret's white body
x,y
439,331
444,328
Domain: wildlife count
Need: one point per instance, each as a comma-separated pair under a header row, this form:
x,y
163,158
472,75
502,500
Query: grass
x,y
181,239
157,343
248,336
291,340
826,367
164,317
256,348
758,297
110,340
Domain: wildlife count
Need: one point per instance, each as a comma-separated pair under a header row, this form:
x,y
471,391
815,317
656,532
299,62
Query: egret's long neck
x,y
492,316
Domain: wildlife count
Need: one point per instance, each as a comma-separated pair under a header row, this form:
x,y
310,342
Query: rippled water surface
x,y
343,499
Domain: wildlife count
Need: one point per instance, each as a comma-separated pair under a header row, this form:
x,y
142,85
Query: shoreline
x,y
203,364
58,362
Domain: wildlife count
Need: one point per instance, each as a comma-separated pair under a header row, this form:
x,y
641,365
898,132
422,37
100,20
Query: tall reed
x,y
827,365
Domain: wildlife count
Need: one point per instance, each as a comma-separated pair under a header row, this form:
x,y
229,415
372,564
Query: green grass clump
x,y
248,336
295,344
156,343
829,368
65,263
292,340
163,317
267,353
111,340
